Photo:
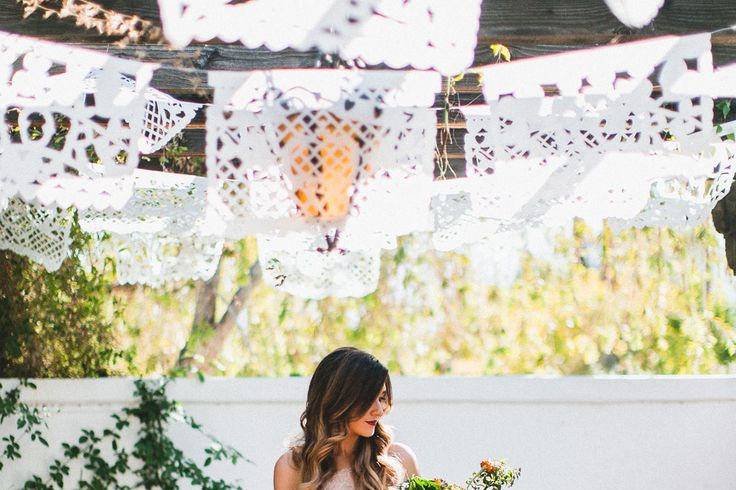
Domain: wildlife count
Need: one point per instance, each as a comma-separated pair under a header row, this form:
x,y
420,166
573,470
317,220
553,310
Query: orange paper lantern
x,y
326,158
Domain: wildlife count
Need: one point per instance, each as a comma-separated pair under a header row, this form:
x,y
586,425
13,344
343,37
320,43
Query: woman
x,y
344,445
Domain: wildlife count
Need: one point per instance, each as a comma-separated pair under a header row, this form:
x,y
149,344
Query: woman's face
x,y
366,425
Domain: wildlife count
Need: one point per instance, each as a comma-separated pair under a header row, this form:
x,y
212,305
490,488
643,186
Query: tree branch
x,y
210,349
724,220
206,300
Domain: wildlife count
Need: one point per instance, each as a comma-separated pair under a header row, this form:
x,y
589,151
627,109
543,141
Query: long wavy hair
x,y
344,386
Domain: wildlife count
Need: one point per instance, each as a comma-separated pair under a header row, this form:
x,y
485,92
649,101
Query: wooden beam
x,y
528,27
557,21
455,166
194,141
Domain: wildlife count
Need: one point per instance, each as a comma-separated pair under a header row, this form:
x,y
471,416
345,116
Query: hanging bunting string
x,y
328,167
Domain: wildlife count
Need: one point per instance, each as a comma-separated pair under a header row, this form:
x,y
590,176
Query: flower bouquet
x,y
493,475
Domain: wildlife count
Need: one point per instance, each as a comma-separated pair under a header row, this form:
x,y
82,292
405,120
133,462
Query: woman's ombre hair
x,y
344,386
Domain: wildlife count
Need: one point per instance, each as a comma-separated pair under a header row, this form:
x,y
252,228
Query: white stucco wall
x,y
566,433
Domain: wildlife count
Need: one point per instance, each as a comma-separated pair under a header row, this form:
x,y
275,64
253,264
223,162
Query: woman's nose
x,y
378,407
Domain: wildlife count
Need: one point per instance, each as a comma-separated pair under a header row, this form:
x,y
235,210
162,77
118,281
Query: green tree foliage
x,y
642,301
57,324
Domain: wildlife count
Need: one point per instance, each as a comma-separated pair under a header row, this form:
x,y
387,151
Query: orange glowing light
x,y
325,164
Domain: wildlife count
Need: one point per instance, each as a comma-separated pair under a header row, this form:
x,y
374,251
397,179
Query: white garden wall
x,y
566,433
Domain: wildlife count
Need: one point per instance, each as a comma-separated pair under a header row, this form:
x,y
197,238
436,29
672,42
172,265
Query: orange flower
x,y
487,466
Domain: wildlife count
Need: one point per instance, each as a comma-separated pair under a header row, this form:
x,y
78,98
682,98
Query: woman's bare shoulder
x,y
407,457
285,473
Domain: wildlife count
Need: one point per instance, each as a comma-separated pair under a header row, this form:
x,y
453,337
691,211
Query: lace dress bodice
x,y
343,479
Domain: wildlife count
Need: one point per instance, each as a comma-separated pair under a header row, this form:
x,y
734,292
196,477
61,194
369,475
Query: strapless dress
x,y
343,479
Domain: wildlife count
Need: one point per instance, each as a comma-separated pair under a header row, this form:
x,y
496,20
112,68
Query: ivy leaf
x,y
724,107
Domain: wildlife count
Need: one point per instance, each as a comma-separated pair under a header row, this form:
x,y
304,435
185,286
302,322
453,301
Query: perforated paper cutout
x,y
585,133
66,146
36,232
680,202
314,274
599,100
164,116
154,259
455,222
171,204
425,34
292,150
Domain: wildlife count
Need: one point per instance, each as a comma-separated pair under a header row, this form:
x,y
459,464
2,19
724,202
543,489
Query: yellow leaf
x,y
501,51
459,77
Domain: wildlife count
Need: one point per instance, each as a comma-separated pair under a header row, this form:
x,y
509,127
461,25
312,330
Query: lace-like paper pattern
x,y
165,233
455,222
593,101
161,203
425,34
36,232
313,274
680,202
294,150
553,124
66,146
620,185
164,116
154,259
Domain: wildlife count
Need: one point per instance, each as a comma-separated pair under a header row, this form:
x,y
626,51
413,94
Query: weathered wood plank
x,y
500,19
455,167
194,141
180,73
529,27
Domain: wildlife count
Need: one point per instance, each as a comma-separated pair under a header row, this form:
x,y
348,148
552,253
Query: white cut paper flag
x,y
154,259
68,147
635,13
305,150
545,148
425,34
162,202
314,274
36,232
